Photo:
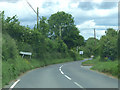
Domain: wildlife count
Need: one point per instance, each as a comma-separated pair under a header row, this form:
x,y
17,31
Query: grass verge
x,y
108,67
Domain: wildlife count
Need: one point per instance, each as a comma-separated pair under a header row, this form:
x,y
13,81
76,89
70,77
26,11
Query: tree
x,y
108,45
91,47
43,26
59,21
61,25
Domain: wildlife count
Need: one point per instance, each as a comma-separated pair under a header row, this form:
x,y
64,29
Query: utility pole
x,y
35,12
95,36
37,16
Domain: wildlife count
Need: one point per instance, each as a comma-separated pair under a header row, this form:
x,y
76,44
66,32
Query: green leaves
x,y
108,45
61,25
91,47
58,21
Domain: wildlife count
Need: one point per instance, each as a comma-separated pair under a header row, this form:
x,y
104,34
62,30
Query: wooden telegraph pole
x,y
37,16
35,12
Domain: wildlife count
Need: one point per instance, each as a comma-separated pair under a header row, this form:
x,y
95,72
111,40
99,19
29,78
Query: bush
x,y
9,48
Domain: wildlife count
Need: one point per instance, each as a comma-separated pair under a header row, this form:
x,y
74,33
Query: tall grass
x,y
109,67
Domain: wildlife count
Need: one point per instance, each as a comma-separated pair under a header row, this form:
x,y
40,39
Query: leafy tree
x,y
43,26
59,21
91,47
61,25
108,45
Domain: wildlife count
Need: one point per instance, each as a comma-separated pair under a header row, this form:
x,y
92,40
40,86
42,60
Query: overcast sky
x,y
88,14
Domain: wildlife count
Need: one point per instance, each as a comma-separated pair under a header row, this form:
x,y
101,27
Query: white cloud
x,y
102,12
87,29
90,33
87,25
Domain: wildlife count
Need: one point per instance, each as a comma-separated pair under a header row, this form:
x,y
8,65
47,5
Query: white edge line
x,y
14,84
78,85
67,77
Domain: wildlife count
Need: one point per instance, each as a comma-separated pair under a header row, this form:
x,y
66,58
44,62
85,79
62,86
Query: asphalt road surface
x,y
66,75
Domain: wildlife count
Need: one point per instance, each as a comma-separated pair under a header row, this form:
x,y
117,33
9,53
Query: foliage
x,y
108,45
61,25
9,48
109,67
59,20
43,26
91,47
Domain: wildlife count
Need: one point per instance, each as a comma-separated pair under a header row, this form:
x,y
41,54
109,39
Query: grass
x,y
108,67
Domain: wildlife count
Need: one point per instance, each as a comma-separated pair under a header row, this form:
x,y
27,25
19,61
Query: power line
x,y
35,12
32,8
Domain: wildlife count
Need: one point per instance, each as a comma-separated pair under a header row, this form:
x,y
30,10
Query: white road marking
x,y
61,66
14,84
62,72
67,77
60,69
78,84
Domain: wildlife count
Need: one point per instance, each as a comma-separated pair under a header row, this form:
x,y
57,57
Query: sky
x,y
88,14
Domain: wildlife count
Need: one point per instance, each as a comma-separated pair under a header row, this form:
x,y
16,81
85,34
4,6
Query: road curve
x,y
66,75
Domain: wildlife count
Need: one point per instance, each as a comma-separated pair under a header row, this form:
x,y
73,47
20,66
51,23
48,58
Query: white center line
x,y
61,66
78,84
67,77
61,71
70,78
14,84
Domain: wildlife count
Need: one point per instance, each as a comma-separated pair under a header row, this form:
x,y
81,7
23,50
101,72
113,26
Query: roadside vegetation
x,y
106,53
51,43
108,67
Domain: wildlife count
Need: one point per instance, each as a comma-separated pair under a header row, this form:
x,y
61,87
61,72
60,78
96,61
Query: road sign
x,y
26,53
80,52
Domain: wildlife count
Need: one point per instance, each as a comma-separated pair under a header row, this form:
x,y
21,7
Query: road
x,y
66,75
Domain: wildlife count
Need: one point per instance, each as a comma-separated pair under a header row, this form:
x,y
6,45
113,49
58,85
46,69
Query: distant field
x,y
109,67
